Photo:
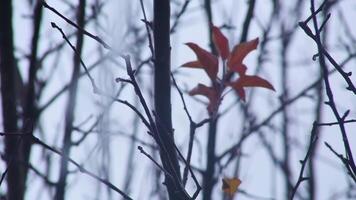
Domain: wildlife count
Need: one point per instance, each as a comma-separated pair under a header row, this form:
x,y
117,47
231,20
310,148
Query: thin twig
x,y
76,26
312,142
179,15
81,168
95,88
344,160
150,41
336,123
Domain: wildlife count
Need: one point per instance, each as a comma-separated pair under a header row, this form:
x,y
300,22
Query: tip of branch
x,y
96,90
43,2
128,64
117,80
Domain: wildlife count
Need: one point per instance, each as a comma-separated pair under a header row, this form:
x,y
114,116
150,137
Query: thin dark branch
x,y
179,15
344,160
81,168
336,123
154,161
95,88
312,142
182,98
329,92
150,41
75,25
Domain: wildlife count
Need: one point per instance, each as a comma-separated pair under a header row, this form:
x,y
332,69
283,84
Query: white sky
x,y
256,171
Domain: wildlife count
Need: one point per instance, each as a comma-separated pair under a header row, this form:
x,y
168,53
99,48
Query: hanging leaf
x,y
239,52
230,185
241,93
208,60
209,92
221,43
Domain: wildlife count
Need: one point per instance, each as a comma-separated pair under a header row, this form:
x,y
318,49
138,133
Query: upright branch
x,y
285,114
248,19
208,178
301,177
30,116
71,104
162,93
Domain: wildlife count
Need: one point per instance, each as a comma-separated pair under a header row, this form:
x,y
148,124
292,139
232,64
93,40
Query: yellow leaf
x,y
230,185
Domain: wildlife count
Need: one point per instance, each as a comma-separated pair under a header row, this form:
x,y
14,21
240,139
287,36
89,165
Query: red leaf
x,y
208,92
221,43
208,60
239,53
241,69
255,81
193,64
238,89
241,93
249,81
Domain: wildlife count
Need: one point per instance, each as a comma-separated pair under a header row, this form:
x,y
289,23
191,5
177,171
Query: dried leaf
x,y
230,185
208,60
239,52
221,43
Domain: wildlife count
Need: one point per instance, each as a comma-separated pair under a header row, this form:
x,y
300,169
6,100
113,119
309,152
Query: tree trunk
x,y
162,97
13,153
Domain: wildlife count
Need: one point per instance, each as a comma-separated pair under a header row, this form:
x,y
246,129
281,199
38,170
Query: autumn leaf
x,y
240,69
193,64
234,62
239,52
209,92
230,185
221,43
249,81
208,61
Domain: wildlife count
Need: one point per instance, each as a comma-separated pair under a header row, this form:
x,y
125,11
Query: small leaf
x,y
230,186
208,60
240,51
241,93
251,81
221,43
208,92
202,89
241,69
193,64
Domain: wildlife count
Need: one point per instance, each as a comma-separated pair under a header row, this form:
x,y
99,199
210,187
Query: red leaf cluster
x,y
234,62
